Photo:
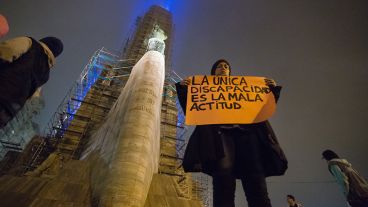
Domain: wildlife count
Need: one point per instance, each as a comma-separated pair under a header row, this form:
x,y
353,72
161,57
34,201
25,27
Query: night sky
x,y
317,50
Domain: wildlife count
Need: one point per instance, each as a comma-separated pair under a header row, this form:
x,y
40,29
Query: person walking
x,y
353,185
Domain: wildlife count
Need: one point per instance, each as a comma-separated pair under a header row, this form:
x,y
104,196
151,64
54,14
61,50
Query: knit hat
x,y
54,44
216,63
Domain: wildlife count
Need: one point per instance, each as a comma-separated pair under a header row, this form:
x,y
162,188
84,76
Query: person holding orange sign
x,y
249,152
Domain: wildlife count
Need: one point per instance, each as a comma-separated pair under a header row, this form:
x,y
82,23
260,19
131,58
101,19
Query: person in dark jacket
x,y
353,185
24,66
249,152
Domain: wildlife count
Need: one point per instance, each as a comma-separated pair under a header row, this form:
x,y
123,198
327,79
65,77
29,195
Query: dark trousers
x,y
363,203
252,177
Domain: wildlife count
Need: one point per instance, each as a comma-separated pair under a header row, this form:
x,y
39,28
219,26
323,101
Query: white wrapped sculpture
x,y
125,150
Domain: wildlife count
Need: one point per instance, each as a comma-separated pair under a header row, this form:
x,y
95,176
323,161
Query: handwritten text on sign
x,y
228,100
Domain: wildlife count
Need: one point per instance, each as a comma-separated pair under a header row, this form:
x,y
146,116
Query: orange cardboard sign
x,y
228,100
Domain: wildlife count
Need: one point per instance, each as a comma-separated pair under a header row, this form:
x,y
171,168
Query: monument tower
x,y
117,139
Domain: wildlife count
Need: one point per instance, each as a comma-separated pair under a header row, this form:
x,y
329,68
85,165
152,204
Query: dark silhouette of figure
x,y
24,66
353,185
292,202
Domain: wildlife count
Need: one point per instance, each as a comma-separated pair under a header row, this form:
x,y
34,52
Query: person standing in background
x,y
353,185
291,201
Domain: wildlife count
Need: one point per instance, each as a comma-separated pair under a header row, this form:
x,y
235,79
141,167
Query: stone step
x,y
70,187
20,191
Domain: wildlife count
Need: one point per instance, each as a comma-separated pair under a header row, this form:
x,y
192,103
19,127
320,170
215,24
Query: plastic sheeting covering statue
x,y
125,150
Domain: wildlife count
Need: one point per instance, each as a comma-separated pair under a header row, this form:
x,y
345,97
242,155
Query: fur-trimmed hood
x,y
339,161
12,49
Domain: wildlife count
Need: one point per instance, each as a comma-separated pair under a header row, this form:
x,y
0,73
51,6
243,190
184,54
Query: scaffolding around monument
x,y
87,104
18,132
190,186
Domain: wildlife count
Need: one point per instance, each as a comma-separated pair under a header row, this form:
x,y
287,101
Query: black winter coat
x,y
205,145
20,78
